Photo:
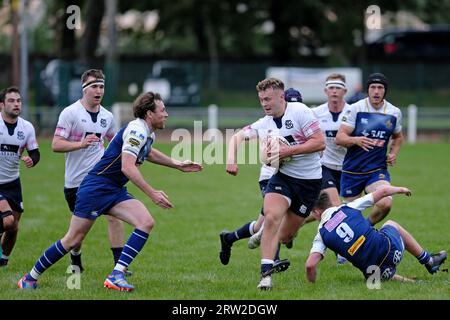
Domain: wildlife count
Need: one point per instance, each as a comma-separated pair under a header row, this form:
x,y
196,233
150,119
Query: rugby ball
x,y
270,150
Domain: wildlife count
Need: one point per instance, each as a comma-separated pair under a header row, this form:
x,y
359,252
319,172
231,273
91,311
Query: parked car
x,y
433,44
61,82
176,82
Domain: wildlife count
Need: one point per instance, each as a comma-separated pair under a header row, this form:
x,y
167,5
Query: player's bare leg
x,y
116,234
432,262
382,208
9,237
275,208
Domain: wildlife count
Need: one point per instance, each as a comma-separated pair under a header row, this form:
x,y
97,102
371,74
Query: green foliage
x,y
180,260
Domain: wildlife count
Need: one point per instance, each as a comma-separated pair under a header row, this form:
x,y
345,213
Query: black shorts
x,y
71,197
331,178
302,192
12,192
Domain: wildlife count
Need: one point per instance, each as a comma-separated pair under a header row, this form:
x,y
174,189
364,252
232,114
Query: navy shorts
x,y
331,178
12,192
71,197
96,196
353,185
395,254
302,192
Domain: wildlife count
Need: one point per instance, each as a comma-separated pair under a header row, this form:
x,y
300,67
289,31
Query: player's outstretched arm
x,y
311,266
160,158
131,171
386,191
233,147
398,277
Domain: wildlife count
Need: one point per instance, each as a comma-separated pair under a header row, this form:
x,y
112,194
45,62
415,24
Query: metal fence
x,y
423,120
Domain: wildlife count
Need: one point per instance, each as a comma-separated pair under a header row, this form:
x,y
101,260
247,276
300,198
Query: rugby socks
x,y
277,254
4,260
266,265
49,258
116,254
424,257
246,231
133,246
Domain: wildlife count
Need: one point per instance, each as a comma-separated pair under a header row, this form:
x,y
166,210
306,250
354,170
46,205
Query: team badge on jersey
x,y
288,124
103,123
388,123
20,135
133,142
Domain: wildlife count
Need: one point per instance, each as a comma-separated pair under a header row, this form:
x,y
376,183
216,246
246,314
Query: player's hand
x,y
89,140
232,169
189,166
391,159
160,199
365,143
28,161
401,190
405,191
284,151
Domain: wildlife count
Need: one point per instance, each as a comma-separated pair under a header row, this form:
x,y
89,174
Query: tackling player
x,y
344,230
103,191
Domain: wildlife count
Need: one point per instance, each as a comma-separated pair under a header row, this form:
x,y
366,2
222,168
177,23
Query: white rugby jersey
x,y
365,106
266,172
297,125
138,139
12,147
333,155
74,124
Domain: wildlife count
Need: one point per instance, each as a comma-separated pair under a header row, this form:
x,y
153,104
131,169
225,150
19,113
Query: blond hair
x,y
270,83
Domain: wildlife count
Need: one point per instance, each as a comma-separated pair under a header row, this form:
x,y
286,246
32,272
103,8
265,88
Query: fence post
x,y
115,109
213,122
213,115
412,124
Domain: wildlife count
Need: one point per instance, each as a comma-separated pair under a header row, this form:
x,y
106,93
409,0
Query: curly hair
x,y
144,103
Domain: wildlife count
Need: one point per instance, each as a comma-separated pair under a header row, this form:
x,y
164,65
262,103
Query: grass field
x,y
180,260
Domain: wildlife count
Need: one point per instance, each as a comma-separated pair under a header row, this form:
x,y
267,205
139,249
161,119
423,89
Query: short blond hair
x,y
273,83
336,76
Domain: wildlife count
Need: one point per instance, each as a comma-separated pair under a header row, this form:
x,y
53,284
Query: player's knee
x,y
146,224
73,241
8,221
385,205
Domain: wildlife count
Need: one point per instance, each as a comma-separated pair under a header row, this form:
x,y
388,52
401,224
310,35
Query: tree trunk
x,y
89,41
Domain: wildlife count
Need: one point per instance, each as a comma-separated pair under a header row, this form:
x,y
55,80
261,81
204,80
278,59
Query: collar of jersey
x,y
384,107
149,131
